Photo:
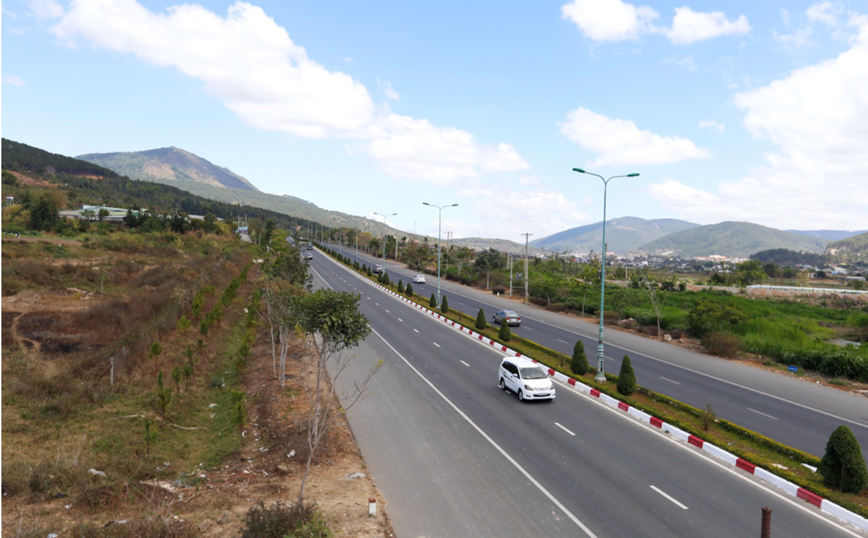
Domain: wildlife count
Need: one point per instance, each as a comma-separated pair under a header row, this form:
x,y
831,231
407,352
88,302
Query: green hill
x,y
732,239
503,245
88,183
168,164
622,235
289,205
851,249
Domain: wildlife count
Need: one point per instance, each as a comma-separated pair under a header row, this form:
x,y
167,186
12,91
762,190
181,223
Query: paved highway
x,y
792,411
455,456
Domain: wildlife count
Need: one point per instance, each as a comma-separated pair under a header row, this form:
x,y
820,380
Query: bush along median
x,y
754,449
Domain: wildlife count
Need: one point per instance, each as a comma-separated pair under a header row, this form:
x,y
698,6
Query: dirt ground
x,y
268,468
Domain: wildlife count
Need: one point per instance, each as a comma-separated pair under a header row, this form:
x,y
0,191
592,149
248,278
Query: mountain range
x,y
169,165
622,235
731,239
189,172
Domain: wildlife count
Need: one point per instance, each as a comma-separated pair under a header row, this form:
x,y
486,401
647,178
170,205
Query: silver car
x,y
511,318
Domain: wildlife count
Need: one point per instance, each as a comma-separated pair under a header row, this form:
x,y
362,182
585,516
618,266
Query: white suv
x,y
525,378
419,279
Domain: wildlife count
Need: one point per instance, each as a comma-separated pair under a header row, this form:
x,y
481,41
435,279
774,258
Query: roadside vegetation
x,y
789,463
781,332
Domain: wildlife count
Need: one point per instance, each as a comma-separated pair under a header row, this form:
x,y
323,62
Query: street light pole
x,y
440,209
601,376
384,235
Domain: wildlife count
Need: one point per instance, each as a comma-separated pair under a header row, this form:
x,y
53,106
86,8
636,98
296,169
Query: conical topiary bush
x,y
627,377
481,324
579,362
843,465
504,333
444,305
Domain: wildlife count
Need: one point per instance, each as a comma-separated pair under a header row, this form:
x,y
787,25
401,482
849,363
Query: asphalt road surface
x,y
792,411
454,456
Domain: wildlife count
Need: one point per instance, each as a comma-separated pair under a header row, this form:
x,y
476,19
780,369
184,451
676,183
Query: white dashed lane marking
x,y
763,414
670,380
464,363
436,344
566,430
658,490
416,330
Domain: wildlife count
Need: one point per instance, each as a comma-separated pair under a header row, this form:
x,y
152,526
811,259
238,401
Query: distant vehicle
x,y
511,318
310,246
525,378
378,268
308,256
419,279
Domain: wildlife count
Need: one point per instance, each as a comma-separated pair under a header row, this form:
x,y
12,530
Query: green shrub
x,y
409,291
400,286
444,305
432,302
627,377
504,333
385,278
722,344
579,361
481,323
843,466
280,521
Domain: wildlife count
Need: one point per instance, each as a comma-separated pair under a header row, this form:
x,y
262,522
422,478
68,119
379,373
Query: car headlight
x,y
528,388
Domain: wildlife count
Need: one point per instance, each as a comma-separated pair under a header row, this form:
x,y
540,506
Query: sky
x,y
748,111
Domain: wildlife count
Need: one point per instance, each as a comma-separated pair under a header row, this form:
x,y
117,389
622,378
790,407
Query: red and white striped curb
x,y
792,489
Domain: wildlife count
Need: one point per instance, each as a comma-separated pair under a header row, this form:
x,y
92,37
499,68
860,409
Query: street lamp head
x,y
453,205
579,170
632,175
425,203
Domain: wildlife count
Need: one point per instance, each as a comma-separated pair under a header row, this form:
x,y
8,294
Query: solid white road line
x,y
497,447
464,363
670,380
763,414
436,344
564,341
658,490
566,430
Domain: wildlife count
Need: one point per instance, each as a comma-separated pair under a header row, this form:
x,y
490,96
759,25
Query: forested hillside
x,y
111,189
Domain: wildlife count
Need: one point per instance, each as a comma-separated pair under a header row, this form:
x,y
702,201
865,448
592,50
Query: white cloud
x,y
349,61
690,26
12,80
786,17
825,12
817,117
687,62
609,20
615,20
711,124
415,149
799,38
45,9
621,143
247,61
528,181
388,90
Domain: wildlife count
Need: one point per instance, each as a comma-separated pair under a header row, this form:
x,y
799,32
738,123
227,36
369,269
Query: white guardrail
x,y
829,291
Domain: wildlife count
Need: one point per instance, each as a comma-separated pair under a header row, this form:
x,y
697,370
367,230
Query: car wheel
x,y
520,395
502,384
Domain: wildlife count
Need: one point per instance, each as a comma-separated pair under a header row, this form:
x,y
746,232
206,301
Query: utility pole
x,y
526,242
448,241
509,259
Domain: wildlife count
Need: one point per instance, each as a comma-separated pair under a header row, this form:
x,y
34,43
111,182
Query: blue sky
x,y
749,111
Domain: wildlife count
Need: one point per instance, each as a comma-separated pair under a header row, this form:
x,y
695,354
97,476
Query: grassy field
x,y
67,310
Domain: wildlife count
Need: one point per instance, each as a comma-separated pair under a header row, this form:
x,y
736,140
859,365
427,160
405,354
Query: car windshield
x,y
510,314
532,372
